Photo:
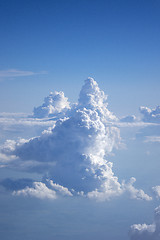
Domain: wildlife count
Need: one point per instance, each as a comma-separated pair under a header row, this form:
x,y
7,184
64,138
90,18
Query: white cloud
x,y
62,190
151,115
129,118
111,187
11,73
134,193
56,104
147,232
42,190
108,189
152,139
74,152
77,145
6,159
18,121
39,190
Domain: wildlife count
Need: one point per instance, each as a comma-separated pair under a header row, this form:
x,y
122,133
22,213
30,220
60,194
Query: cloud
x,y
147,232
112,187
13,125
134,193
150,115
55,104
18,121
78,144
11,73
156,190
74,152
62,190
39,190
129,119
152,139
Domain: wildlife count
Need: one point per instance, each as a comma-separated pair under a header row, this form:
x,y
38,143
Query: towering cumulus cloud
x,y
147,232
74,152
56,103
151,115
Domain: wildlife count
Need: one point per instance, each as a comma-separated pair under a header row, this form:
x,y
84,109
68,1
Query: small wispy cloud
x,y
152,139
11,73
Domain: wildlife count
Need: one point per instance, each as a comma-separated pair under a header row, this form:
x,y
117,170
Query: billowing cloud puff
x,y
134,193
49,190
111,187
151,115
74,152
39,190
56,103
91,97
147,232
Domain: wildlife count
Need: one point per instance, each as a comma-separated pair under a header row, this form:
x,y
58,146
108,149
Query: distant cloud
x,y
11,73
150,115
129,119
16,184
152,139
147,232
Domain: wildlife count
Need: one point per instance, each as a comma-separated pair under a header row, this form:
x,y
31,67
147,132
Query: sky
x,y
61,43
79,120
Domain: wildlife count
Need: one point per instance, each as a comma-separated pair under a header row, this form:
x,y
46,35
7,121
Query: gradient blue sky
x,y
116,42
55,45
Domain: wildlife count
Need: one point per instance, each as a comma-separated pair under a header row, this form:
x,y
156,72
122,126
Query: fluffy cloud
x,y
151,115
111,187
60,189
74,152
147,232
55,104
39,190
47,189
134,193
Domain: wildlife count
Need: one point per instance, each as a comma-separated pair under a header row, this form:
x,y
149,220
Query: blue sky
x,y
116,42
93,174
